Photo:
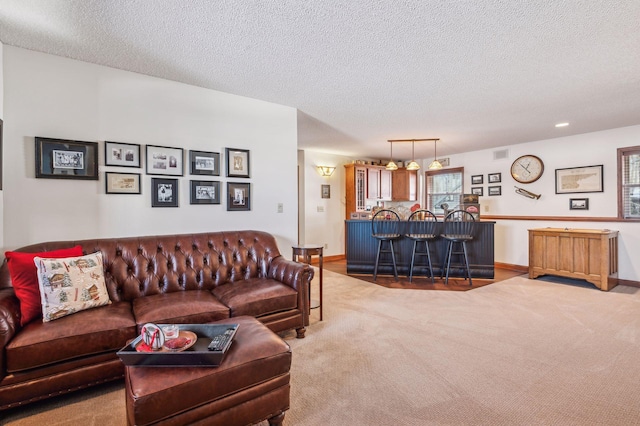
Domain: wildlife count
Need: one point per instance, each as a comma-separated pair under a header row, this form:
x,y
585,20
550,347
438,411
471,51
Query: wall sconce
x,y
326,170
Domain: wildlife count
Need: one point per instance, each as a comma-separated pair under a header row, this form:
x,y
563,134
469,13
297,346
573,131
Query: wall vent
x,y
501,154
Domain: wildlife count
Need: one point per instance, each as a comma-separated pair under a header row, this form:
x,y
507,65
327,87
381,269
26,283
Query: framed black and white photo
x,y
238,196
66,159
494,190
477,180
122,183
164,192
204,163
121,154
325,191
237,162
579,179
579,204
494,177
477,190
164,160
205,192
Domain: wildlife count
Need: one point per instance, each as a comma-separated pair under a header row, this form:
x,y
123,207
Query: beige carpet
x,y
518,352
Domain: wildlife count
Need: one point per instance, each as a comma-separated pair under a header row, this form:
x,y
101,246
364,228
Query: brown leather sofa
x,y
190,278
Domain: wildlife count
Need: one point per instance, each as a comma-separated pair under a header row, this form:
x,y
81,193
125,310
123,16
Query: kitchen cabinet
x,y
379,183
355,188
405,185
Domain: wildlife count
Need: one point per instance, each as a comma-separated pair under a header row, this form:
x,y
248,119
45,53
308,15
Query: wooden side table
x,y
306,251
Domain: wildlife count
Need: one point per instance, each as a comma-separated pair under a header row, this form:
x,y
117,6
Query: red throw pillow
x,y
24,278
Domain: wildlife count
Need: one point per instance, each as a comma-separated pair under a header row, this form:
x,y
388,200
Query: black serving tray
x,y
196,356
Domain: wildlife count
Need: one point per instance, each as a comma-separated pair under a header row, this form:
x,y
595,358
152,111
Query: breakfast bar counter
x,y
361,250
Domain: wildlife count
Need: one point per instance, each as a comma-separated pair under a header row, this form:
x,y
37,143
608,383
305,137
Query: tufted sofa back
x,y
144,266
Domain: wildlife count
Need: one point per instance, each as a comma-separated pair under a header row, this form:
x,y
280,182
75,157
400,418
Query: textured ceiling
x,y
475,73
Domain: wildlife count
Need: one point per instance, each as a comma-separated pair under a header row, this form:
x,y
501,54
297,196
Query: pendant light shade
x,y
435,164
391,165
413,165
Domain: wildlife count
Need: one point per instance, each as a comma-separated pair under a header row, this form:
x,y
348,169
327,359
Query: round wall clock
x,y
527,169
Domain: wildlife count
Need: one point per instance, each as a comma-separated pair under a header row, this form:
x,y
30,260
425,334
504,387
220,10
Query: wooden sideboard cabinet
x,y
587,254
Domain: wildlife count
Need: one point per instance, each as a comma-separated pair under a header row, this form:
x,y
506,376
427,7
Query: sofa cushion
x,y
24,279
71,285
94,331
256,297
179,307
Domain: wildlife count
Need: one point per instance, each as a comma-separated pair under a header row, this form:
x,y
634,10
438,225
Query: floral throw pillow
x,y
71,285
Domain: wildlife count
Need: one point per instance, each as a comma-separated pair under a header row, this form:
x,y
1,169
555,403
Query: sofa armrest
x,y
296,275
9,322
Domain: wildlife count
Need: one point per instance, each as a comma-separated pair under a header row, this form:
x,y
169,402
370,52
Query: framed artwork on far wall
x,y
494,177
238,196
205,192
122,183
579,179
164,160
325,191
204,163
477,180
494,190
121,154
477,190
578,204
238,162
66,159
164,192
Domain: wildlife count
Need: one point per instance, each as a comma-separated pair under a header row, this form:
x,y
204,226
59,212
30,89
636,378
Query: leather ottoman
x,y
250,385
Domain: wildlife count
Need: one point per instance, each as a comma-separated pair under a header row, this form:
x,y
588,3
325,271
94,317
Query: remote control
x,y
220,341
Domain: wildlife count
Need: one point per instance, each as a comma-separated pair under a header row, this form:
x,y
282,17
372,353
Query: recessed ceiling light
x,y
562,124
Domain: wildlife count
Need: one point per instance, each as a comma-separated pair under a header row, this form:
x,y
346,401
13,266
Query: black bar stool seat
x,y
385,227
459,226
423,226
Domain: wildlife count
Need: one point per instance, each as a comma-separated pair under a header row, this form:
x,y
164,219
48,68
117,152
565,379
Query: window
x,y
629,182
444,187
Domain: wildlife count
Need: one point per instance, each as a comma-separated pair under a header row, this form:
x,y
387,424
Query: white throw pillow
x,y
71,285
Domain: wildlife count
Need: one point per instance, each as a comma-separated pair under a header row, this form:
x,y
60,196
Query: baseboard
x,y
334,258
511,267
525,269
630,283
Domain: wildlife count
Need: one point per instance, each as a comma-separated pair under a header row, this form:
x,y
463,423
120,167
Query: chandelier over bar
x,y
413,165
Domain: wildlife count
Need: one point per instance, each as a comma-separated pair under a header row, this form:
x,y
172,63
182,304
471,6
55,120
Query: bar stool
x,y
423,226
459,226
385,227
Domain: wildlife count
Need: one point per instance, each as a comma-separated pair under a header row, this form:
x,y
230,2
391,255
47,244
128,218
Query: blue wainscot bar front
x,y
361,250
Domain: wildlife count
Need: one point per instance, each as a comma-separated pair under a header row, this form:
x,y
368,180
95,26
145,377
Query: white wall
x,y
324,217
56,97
573,151
4,161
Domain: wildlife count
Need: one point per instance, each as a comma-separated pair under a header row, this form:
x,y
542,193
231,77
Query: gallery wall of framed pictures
x,y
70,159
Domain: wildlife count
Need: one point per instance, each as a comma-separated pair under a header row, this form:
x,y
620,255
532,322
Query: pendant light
x,y
413,165
435,164
391,166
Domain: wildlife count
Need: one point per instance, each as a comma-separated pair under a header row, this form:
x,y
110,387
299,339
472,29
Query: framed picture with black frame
x,y
205,192
494,190
494,178
204,163
578,204
238,196
238,162
164,192
164,160
66,159
575,180
121,154
477,190
122,183
477,180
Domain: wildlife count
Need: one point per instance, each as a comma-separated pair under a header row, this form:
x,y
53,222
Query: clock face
x,y
527,169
